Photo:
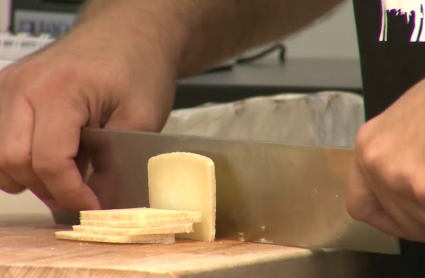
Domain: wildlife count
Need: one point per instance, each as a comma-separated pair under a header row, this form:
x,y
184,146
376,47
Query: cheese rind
x,y
141,239
172,229
138,214
185,181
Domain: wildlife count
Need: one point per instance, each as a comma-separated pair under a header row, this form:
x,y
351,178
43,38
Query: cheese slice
x,y
139,214
185,181
172,229
141,239
141,224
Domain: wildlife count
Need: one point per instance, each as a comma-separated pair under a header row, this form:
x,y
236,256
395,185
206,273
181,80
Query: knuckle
x,y
397,179
18,72
3,75
366,151
13,157
417,186
355,212
362,137
54,78
44,166
354,209
393,178
8,75
370,156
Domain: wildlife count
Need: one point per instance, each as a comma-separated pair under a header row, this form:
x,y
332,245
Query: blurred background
x,y
331,37
321,58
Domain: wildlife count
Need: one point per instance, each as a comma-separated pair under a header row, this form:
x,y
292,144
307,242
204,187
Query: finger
x,y
391,209
399,211
82,160
397,192
416,214
105,179
363,204
55,145
397,205
414,206
16,125
9,185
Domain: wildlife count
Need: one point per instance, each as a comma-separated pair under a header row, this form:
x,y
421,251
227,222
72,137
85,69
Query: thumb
x,y
105,180
137,116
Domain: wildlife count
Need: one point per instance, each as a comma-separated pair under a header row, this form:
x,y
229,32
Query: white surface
x,y
3,64
25,202
4,15
13,47
323,119
17,46
334,36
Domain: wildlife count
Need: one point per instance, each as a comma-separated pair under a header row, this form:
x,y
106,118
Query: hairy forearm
x,y
223,28
195,34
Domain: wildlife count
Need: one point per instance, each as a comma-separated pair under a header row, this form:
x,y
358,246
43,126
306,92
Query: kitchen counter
x,y
28,248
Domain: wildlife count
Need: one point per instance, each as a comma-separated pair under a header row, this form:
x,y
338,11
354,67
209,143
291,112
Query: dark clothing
x,y
391,35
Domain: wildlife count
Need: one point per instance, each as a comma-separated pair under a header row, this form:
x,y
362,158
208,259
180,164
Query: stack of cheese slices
x,y
137,225
182,200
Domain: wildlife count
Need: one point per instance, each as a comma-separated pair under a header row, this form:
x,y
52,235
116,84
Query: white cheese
x,y
143,239
139,214
172,229
142,224
185,181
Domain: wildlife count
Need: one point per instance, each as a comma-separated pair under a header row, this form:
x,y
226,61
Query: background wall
x,y
4,14
332,37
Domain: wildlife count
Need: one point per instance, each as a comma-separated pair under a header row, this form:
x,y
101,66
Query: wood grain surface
x,y
28,248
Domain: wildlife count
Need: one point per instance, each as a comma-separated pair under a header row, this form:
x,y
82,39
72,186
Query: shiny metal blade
x,y
266,192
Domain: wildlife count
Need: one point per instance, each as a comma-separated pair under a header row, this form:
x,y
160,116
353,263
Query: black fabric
x,y
389,68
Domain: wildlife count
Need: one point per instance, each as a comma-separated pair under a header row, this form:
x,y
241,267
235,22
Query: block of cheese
x,y
185,181
141,215
141,239
172,229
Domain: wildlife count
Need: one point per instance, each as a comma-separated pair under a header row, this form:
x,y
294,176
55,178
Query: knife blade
x,y
267,192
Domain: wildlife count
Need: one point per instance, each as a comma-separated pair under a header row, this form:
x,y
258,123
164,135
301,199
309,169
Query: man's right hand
x,y
47,97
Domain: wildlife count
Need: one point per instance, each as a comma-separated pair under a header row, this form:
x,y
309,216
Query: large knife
x,y
266,192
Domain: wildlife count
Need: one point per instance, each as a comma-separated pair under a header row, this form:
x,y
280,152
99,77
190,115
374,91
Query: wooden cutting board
x,y
29,249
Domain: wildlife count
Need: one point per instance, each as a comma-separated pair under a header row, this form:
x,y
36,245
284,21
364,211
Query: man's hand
x,y
387,181
46,98
117,69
